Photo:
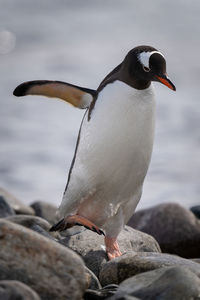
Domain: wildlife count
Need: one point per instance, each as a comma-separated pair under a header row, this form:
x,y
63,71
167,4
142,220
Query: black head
x,y
142,65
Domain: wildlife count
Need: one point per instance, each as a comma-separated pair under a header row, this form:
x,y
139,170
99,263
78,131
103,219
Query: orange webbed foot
x,y
112,248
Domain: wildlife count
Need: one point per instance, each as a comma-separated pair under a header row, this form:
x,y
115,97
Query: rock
x,y
35,223
29,221
130,264
196,211
43,232
175,228
52,270
197,260
91,246
101,294
46,211
16,204
175,283
15,290
5,209
92,282
127,297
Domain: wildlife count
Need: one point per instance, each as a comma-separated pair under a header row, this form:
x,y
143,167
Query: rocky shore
x,y
161,255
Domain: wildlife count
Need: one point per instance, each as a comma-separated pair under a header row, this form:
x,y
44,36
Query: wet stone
x,y
130,264
15,290
18,206
91,246
5,209
176,228
35,223
101,294
92,281
169,283
46,211
53,271
196,211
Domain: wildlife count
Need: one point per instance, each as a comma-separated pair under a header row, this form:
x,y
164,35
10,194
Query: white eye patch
x,y
144,57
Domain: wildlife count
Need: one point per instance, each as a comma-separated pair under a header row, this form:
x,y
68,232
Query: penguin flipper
x,y
77,96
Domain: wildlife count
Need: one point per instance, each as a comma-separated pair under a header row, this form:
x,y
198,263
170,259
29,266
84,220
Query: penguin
x,y
114,144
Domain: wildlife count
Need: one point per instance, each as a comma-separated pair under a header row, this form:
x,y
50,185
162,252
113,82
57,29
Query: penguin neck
x,y
136,83
121,73
132,80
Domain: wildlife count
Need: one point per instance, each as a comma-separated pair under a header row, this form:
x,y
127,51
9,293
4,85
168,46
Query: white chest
x,y
114,151
121,129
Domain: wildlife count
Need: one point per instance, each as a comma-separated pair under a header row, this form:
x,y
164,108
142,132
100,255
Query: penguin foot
x,y
112,248
70,221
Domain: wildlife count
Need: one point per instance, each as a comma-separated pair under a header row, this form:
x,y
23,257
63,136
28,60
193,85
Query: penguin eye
x,y
146,69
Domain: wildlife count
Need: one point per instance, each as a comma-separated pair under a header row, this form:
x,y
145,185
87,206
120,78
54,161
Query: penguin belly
x,y
112,157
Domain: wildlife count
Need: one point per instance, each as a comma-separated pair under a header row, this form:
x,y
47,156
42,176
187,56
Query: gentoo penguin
x,y
114,144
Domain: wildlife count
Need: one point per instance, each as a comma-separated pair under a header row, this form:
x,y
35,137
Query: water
x,y
80,42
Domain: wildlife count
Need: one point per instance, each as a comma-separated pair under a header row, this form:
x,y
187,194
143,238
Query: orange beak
x,y
165,80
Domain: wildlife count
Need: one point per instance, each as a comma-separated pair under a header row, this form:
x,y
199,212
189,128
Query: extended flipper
x,y
78,96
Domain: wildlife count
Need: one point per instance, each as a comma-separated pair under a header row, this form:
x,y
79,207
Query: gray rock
x,y
92,282
175,228
15,290
52,270
101,294
16,204
127,297
46,211
196,211
5,209
175,283
34,223
43,232
130,264
197,260
91,246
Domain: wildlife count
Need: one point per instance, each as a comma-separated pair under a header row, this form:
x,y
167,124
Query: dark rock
x,y
46,211
165,283
35,223
16,204
5,209
41,231
92,282
196,211
101,294
72,231
15,290
127,297
130,264
52,270
91,246
175,228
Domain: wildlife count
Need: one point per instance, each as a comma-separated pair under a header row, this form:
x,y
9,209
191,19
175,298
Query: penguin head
x,y
146,64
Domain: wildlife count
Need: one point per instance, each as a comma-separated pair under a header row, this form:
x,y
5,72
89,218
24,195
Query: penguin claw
x,y
101,232
58,226
97,230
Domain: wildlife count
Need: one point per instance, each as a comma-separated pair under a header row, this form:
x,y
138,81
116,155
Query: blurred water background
x,y
80,42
